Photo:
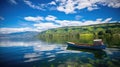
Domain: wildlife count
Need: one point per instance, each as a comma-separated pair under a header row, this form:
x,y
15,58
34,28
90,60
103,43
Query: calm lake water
x,y
36,53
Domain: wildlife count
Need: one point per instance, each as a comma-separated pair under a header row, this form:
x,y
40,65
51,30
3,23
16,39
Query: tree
x,y
100,33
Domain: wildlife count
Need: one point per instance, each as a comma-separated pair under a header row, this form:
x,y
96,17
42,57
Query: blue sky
x,y
39,15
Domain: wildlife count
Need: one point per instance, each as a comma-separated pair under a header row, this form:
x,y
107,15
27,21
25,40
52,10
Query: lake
x,y
39,53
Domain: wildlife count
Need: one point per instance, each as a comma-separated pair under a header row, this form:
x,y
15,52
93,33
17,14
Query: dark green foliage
x,y
99,29
100,33
107,32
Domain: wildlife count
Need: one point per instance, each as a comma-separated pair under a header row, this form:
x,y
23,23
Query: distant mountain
x,y
27,34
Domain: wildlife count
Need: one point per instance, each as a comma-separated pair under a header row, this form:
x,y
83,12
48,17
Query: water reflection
x,y
99,54
109,40
43,54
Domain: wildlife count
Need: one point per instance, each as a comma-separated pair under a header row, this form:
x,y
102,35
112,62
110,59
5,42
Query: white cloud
x,y
14,30
47,22
35,19
108,20
1,18
52,3
29,3
98,21
63,23
70,6
92,8
66,6
50,18
13,2
67,23
49,25
45,26
110,3
40,18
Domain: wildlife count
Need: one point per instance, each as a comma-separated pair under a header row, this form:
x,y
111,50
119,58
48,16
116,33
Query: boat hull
x,y
86,47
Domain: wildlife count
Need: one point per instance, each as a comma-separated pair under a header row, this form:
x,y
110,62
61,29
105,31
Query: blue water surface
x,y
35,53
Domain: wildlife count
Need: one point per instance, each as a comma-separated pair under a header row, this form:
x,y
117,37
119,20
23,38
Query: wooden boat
x,y
98,44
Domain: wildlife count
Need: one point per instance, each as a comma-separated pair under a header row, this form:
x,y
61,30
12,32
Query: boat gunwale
x,y
79,44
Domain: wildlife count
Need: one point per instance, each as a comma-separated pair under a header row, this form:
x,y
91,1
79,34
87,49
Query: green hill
x,y
106,31
99,29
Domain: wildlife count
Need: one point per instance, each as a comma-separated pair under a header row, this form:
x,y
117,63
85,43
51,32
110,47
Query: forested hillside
x,y
99,29
107,31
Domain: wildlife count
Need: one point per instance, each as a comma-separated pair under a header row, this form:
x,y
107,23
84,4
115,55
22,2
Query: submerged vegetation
x,y
109,32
